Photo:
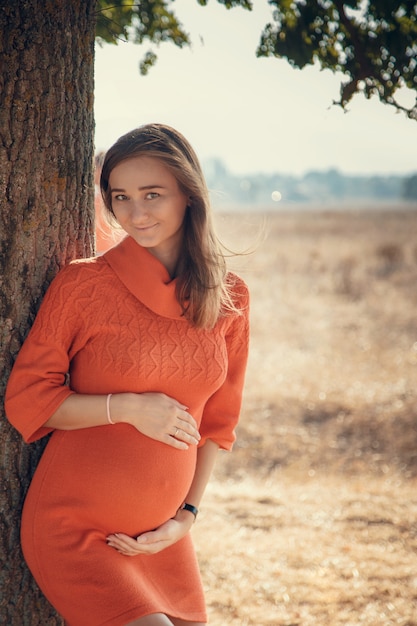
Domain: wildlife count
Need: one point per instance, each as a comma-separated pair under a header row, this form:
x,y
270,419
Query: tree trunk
x,y
46,219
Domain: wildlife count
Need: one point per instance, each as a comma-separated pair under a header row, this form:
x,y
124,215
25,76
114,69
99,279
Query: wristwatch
x,y
191,508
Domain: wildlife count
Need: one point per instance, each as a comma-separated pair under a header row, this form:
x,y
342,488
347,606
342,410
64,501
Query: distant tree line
x,y
410,188
229,189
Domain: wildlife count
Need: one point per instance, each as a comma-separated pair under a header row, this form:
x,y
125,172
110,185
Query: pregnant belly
x,y
110,478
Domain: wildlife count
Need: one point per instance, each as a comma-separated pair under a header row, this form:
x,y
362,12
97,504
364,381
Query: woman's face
x,y
149,205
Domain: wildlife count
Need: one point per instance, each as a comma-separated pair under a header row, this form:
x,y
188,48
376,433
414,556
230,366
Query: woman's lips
x,y
144,228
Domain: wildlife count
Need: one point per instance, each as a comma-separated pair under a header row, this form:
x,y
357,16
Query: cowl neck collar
x,y
145,277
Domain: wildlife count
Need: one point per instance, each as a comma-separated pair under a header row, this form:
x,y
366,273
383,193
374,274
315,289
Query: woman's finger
x,y
122,543
182,433
188,419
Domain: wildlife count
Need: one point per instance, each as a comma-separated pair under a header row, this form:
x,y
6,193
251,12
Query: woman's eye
x,y
119,197
152,195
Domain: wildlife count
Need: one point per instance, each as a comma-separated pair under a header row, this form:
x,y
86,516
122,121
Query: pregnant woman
x,y
135,364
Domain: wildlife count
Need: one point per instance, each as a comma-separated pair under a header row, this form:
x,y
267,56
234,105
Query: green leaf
x,y
373,44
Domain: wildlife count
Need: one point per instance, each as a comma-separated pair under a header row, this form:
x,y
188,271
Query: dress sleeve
x,y
37,384
222,410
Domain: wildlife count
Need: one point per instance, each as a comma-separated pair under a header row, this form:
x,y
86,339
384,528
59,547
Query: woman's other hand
x,y
156,540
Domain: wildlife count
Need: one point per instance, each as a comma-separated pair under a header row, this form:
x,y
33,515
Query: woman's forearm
x,y
154,414
85,410
206,459
80,411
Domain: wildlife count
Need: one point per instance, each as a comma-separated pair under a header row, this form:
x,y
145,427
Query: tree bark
x,y
46,219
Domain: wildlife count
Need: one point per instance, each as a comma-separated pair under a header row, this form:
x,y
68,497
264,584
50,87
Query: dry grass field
x,y
312,519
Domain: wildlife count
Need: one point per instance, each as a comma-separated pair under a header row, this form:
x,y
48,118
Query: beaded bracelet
x,y
109,419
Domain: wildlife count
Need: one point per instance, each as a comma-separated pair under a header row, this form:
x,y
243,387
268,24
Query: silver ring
x,y
176,431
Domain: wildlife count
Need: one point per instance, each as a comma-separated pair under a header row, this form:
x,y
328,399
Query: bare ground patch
x,y
313,517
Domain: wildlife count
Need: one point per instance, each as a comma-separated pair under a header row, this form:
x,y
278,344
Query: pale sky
x,y
256,115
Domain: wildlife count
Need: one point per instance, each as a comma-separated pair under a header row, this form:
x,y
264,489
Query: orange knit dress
x,y
113,325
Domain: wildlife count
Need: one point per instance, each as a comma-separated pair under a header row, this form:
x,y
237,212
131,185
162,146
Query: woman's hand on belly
x,y
154,541
157,416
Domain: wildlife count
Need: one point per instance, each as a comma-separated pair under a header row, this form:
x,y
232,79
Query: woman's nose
x,y
139,210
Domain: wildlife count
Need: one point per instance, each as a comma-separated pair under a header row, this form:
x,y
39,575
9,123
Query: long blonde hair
x,y
203,287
